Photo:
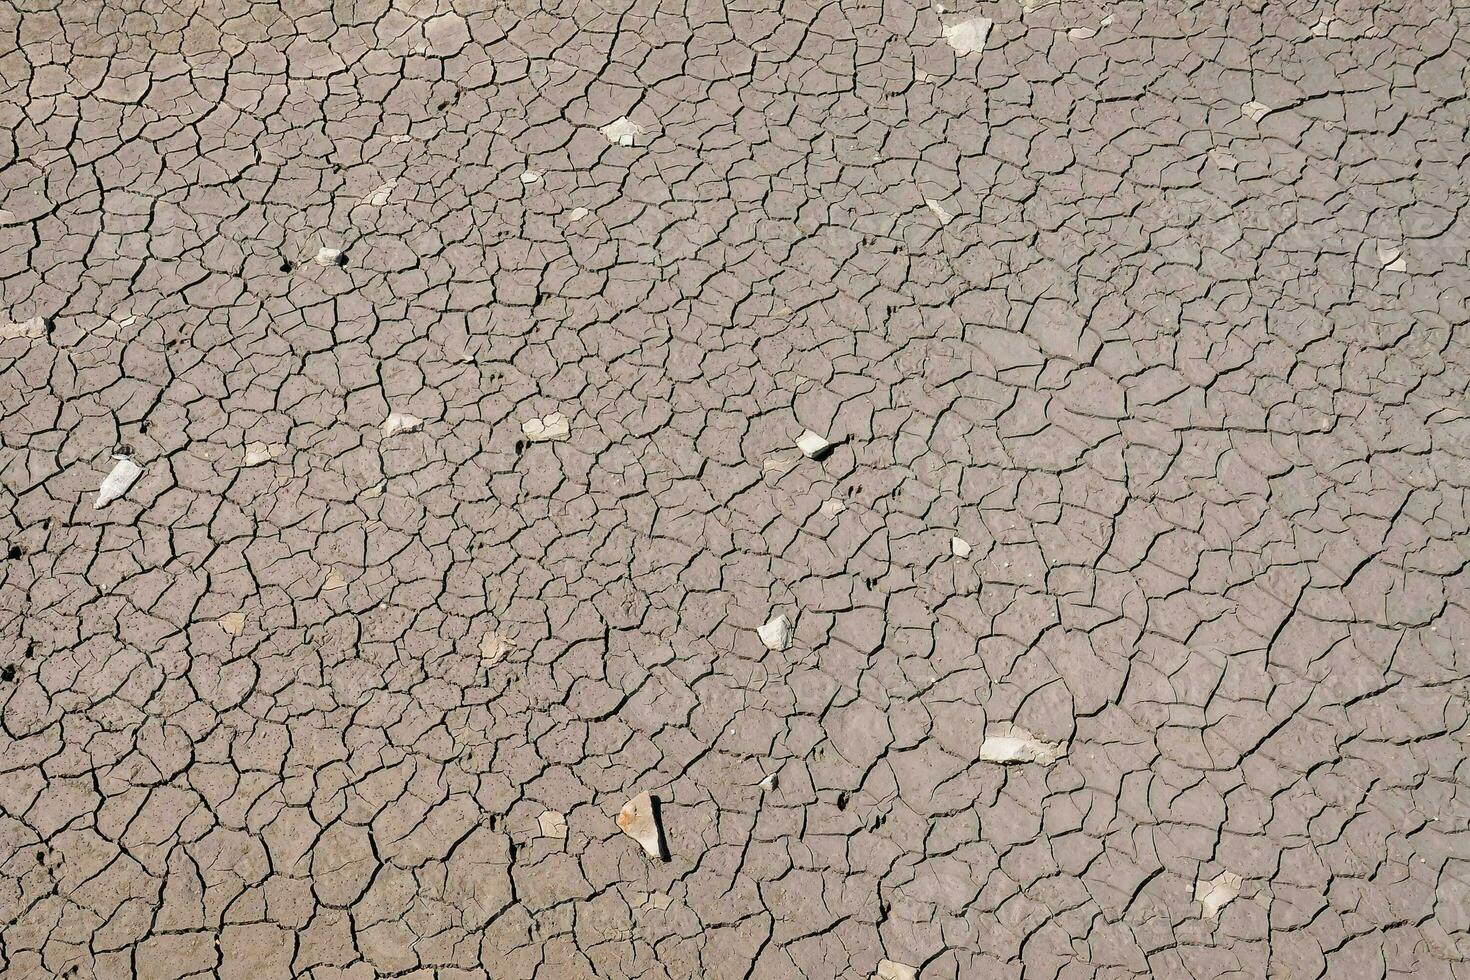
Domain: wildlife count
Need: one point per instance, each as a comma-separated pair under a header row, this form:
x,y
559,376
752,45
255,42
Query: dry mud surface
x,y
455,355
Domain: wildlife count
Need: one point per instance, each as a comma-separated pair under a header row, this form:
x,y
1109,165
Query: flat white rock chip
x,y
554,427
636,819
889,970
960,547
530,177
622,132
1009,745
968,36
328,256
1391,257
776,634
831,507
398,422
232,623
553,824
1216,894
115,484
32,329
1255,111
812,445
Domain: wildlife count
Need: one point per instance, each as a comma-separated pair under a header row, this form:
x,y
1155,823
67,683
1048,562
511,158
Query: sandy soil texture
x,y
757,491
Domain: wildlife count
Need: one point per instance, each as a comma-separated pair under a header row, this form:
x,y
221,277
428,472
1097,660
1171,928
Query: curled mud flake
x,y
329,256
778,464
555,427
968,36
1224,161
115,484
32,329
530,177
398,422
622,132
812,445
262,452
376,490
959,547
639,820
833,506
1009,745
333,581
1323,26
1215,894
890,970
776,634
553,824
944,215
232,623
1255,111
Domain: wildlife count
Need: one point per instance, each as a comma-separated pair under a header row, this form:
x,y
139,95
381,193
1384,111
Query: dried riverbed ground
x,y
1139,332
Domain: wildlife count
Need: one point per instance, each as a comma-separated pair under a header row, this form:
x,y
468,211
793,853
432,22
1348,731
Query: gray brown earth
x,y
1140,336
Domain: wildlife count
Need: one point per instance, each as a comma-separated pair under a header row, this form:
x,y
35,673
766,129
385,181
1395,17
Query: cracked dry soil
x,y
995,478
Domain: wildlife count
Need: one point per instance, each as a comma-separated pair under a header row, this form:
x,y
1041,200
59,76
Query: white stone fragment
x,y
1009,745
397,422
262,452
637,820
116,483
1224,161
1030,5
812,445
376,490
945,217
622,132
328,256
1322,27
1215,894
334,581
232,623
776,634
555,427
32,329
959,547
1255,111
577,214
553,824
530,177
833,506
968,36
890,970
379,197
769,783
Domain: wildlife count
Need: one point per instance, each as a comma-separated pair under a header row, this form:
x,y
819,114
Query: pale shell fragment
x,y
553,427
637,820
115,484
968,36
1215,894
1009,745
776,634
